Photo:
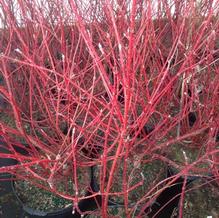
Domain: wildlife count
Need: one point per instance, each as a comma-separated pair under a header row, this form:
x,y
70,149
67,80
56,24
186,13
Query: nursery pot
x,y
62,213
85,205
34,213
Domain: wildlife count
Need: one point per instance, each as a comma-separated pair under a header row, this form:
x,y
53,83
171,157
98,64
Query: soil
x,y
43,200
149,174
202,201
39,199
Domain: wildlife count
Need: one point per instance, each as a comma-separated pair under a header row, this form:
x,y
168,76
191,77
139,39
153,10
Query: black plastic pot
x,y
168,200
33,213
85,205
9,207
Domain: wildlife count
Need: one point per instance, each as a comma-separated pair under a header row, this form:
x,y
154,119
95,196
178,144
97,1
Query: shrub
x,y
113,84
